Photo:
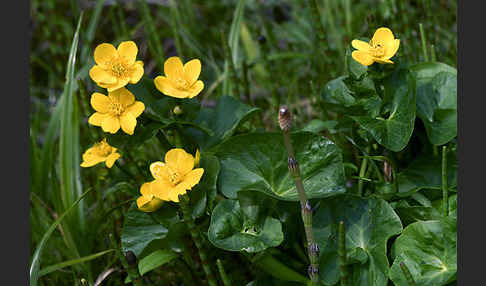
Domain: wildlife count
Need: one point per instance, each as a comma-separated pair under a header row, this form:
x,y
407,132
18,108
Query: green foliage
x,y
259,162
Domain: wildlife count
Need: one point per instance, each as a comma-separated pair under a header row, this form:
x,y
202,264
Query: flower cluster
x,y
115,68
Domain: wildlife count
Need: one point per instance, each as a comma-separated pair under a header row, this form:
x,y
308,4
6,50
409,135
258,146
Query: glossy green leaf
x,y
369,223
429,250
140,228
222,120
426,173
203,194
141,134
236,228
395,131
259,162
437,100
155,259
317,125
413,214
437,204
337,92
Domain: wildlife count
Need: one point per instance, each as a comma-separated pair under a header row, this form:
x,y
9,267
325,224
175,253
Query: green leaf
x,y
64,264
36,257
259,162
355,69
395,131
429,250
236,228
437,100
426,173
317,125
142,133
155,259
369,223
203,194
413,214
140,228
222,121
156,103
337,92
437,204
277,269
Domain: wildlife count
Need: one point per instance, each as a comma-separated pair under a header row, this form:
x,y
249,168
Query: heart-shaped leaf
x,y
437,100
154,260
246,227
429,250
203,194
140,228
259,162
426,173
369,223
395,131
222,120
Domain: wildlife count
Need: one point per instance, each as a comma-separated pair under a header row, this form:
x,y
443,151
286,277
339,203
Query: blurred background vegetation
x,y
275,52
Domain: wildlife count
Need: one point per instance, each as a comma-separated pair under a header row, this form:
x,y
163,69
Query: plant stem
x,y
445,197
407,274
246,87
184,204
232,68
225,278
128,262
432,53
285,120
342,254
362,170
424,43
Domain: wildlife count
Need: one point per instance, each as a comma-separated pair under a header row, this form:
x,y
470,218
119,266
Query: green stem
x,y
362,170
184,204
224,277
342,254
407,274
445,198
232,69
246,87
285,121
432,53
424,43
130,266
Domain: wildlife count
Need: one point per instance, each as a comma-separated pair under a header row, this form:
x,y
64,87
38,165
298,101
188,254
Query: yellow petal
x,y
104,53
137,72
173,67
123,96
147,206
128,51
128,123
156,169
180,160
196,88
382,61
192,178
119,84
197,157
111,159
191,70
141,201
110,124
96,118
165,85
146,189
175,192
361,45
89,159
97,74
362,58
391,50
100,102
136,108
161,189
383,36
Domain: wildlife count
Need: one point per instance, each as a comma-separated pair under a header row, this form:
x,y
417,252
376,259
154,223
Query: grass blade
x,y
35,264
63,264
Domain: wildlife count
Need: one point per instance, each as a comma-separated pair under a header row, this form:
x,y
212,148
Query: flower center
x,y
102,149
377,50
182,83
118,69
171,175
116,108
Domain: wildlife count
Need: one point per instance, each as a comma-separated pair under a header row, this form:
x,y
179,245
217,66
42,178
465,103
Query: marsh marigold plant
x,y
100,152
118,109
115,68
380,49
171,178
180,81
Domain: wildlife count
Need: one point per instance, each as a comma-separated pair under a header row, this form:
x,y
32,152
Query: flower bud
x,y
177,110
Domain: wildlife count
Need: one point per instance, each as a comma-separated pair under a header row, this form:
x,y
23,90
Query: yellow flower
x,y
117,109
116,67
180,80
100,152
380,49
175,176
147,202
